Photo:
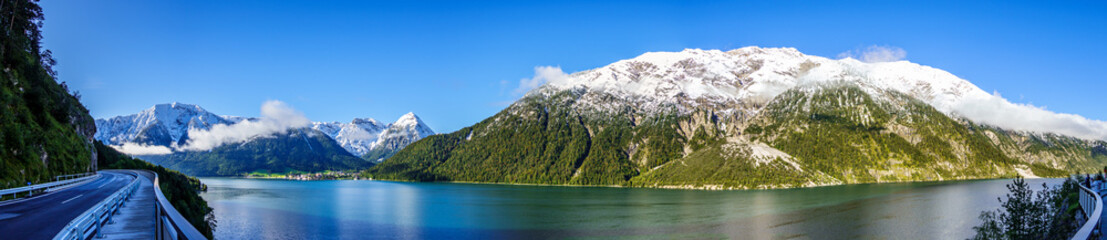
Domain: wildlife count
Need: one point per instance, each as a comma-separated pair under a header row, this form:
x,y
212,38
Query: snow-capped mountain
x,y
167,125
741,80
406,130
161,125
363,136
754,118
355,136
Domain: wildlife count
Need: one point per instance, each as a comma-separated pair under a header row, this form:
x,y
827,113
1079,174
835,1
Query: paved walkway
x,y
135,220
1103,216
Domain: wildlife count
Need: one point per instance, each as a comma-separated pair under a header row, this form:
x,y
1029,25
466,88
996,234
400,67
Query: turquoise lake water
x,y
347,209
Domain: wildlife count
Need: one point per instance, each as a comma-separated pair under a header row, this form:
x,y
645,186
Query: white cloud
x,y
276,117
542,75
142,149
995,110
876,54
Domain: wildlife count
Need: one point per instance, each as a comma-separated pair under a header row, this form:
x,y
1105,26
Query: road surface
x,y
44,215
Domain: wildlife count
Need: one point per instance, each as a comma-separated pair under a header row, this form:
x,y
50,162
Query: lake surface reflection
x,y
280,209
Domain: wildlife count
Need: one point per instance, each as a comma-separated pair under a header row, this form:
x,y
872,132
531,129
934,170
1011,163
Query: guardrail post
x,y
96,227
157,221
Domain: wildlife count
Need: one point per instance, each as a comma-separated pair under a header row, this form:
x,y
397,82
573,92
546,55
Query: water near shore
x,y
343,209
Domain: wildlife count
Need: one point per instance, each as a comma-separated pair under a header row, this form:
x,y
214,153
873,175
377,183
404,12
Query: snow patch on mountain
x,y
752,76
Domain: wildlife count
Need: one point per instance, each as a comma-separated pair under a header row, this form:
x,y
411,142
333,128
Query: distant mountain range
x,y
368,138
753,118
318,146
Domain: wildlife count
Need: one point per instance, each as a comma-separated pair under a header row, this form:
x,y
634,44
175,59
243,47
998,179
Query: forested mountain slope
x,y
748,118
305,149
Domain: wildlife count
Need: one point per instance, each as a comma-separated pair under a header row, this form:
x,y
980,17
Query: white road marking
x,y
71,199
8,215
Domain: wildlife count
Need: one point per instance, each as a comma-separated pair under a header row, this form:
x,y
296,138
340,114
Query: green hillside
x,y
545,143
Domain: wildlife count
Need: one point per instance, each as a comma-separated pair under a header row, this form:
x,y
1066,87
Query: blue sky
x,y
456,63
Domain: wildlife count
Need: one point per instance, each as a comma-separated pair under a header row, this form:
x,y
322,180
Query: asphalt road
x,y
43,216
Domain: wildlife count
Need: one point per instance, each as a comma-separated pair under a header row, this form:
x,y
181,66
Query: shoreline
x,y
705,188
286,178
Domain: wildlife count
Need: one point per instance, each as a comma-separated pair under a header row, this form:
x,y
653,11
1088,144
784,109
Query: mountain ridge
x,y
745,78
168,124
164,129
368,138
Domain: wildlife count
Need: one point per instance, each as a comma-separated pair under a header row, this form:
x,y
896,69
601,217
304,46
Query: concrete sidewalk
x,y
135,220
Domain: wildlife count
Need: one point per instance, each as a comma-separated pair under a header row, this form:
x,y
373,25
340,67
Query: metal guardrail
x,y
69,179
72,176
171,224
1092,204
88,224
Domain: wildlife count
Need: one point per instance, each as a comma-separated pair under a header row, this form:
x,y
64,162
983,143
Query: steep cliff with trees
x,y
44,129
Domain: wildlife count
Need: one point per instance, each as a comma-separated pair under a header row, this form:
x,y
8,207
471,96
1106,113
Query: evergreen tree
x,y
1025,214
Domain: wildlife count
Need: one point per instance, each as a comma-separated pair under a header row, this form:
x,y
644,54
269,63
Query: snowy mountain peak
x,y
409,124
409,119
695,77
406,130
162,124
364,135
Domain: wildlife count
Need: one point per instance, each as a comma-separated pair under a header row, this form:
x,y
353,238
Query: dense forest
x,y
545,143
821,135
181,190
45,130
